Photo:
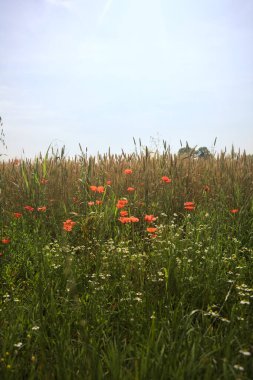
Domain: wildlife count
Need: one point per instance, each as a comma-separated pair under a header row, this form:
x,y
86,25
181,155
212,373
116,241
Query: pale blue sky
x,y
100,72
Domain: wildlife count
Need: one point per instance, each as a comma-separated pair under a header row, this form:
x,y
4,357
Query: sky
x,y
101,72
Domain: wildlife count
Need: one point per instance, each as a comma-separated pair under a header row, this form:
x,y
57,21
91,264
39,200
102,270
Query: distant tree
x,y
186,151
203,152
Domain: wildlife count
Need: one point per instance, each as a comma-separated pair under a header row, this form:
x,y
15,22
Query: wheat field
x,y
130,266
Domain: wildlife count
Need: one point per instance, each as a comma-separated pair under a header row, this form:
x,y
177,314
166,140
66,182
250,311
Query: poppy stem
x,y
133,232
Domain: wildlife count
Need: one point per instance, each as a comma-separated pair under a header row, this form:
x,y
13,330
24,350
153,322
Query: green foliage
x,y
186,151
108,300
202,152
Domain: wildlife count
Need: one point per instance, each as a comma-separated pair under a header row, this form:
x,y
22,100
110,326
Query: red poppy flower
x,y
42,209
93,188
166,179
128,171
123,213
29,208
91,203
124,219
130,189
151,229
234,211
133,219
121,203
149,218
189,208
99,202
44,181
109,182
17,215
189,203
68,225
6,240
100,189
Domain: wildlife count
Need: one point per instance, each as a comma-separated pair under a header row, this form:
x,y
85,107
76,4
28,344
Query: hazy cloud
x,y
106,9
62,3
80,70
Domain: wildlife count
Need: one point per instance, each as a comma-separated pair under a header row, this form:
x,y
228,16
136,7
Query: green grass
x,y
107,301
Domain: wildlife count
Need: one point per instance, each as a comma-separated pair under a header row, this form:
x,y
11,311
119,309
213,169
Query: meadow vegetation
x,y
132,266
